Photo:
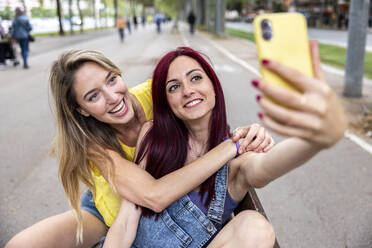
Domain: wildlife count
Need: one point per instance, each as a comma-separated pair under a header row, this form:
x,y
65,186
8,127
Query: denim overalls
x,y
183,224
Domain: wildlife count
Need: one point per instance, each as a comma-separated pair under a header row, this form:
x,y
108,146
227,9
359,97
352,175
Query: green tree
x,y
170,7
7,13
237,5
42,12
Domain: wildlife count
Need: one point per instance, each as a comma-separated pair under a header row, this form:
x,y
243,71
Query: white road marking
x,y
339,72
225,68
359,141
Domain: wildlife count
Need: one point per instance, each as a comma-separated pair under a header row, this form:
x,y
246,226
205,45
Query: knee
x,y
253,229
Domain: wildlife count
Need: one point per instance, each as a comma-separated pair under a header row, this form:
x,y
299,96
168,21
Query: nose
x,y
111,96
188,89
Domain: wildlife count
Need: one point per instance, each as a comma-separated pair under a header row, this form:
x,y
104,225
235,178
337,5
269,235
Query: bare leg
x,y
247,229
59,231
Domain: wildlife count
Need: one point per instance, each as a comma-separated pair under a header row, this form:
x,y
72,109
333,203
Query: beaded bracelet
x,y
237,144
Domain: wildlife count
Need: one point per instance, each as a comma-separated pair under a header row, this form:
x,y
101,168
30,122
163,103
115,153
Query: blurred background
x,y
326,203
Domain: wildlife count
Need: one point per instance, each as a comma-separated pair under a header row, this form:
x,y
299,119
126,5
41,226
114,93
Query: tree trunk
x,y
356,47
59,14
70,16
115,11
24,7
105,8
80,16
95,14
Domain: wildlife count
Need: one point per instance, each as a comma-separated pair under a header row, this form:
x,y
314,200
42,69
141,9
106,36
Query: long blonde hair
x,y
79,139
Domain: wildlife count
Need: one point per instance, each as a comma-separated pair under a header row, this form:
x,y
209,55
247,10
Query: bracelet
x,y
237,144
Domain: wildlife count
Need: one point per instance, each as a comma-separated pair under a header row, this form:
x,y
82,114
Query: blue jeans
x,y
87,204
23,43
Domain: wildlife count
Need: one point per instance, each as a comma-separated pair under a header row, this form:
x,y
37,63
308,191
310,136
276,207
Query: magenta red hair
x,y
165,145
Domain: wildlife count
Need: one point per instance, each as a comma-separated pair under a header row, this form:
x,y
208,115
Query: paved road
x,y
326,203
333,37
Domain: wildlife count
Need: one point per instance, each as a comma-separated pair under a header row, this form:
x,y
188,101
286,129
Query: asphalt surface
x,y
325,203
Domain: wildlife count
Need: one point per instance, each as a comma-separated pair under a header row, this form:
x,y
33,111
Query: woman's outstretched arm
x,y
136,185
315,121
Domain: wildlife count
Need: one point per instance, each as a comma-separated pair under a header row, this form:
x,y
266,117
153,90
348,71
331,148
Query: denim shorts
x,y
88,204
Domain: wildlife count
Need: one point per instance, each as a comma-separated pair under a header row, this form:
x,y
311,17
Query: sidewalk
x,y
358,110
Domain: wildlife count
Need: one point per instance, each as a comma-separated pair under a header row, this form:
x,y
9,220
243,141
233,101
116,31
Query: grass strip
x,y
329,54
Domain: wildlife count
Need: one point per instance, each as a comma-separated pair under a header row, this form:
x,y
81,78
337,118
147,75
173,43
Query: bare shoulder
x,y
146,126
144,130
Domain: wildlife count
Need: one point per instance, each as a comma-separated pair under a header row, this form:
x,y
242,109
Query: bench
x,y
251,202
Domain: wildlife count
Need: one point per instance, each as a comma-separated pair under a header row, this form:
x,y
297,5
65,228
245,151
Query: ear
x,y
82,112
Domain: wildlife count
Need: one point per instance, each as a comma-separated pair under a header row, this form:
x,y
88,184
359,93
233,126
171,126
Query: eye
x,y
196,78
93,97
112,80
173,87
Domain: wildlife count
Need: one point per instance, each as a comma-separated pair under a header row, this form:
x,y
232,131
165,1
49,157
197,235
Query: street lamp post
x,y
356,45
220,17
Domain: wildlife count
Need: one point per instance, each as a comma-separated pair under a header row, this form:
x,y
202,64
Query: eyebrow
x,y
92,90
188,73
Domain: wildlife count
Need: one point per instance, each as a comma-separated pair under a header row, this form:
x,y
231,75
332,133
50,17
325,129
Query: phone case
x,y
289,45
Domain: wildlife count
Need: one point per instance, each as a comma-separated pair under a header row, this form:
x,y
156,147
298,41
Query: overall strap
x,y
217,204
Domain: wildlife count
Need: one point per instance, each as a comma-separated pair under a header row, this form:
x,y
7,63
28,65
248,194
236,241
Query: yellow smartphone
x,y
283,37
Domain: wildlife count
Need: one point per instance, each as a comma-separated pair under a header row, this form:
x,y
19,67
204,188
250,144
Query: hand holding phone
x,y
282,37
313,113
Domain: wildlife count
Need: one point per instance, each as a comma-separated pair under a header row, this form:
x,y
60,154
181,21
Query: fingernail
x,y
258,98
260,115
255,83
265,61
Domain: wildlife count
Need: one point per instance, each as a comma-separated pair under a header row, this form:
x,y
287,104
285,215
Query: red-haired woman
x,y
189,106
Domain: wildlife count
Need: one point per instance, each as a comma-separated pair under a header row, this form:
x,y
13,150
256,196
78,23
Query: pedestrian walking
x,y
143,20
2,51
129,25
120,23
135,22
158,20
21,28
191,20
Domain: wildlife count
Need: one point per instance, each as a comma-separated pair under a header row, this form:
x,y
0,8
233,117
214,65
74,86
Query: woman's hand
x,y
253,138
316,115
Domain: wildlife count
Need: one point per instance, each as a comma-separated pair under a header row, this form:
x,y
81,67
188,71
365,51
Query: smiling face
x,y
189,90
102,94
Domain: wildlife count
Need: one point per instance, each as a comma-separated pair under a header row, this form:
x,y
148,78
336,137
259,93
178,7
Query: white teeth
x,y
190,104
118,108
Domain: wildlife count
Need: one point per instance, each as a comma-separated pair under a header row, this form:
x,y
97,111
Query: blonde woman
x,y
99,121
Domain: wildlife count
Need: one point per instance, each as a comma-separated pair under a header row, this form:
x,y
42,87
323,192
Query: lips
x,y
120,106
192,103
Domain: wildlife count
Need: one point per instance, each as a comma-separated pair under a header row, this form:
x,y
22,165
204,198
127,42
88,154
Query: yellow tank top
x,y
106,200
